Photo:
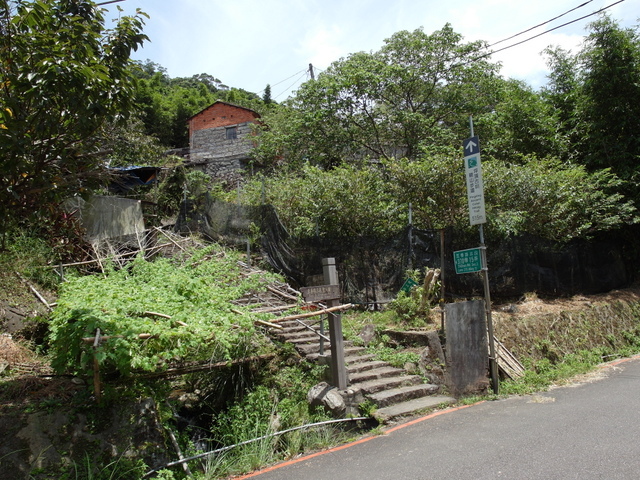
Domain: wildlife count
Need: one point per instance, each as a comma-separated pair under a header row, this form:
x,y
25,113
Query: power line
x,y
304,74
282,81
108,2
548,31
540,24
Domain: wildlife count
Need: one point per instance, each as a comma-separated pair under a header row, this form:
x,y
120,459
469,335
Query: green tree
x,y
553,200
415,93
342,202
167,103
63,77
266,97
561,94
609,104
433,185
522,123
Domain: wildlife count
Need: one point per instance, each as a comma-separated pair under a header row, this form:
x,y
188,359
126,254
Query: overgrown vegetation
x,y
181,308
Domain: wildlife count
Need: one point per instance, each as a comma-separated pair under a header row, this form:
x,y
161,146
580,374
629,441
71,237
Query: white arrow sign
x,y
475,187
471,145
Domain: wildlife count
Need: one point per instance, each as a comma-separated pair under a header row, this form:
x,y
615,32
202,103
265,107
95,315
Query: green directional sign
x,y
475,186
408,285
467,261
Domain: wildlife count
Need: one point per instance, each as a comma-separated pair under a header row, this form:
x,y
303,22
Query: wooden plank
x,y
507,362
281,293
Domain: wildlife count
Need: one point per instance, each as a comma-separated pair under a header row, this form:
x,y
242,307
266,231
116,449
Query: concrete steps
x,y
411,407
394,392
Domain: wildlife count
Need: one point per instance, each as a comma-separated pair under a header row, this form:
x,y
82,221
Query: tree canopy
x,y
411,96
63,77
560,161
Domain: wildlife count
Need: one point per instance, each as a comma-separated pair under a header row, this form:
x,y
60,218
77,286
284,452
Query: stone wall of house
x,y
226,170
212,143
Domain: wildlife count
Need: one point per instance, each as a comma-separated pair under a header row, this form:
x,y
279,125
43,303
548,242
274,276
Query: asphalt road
x,y
587,431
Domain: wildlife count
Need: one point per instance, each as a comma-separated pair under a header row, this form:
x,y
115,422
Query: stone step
x,y
311,350
359,357
375,373
411,407
350,350
353,355
293,325
355,367
377,385
402,394
310,338
290,330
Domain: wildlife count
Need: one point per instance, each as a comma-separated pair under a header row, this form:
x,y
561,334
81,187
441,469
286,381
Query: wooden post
x,y
442,269
96,368
466,353
338,368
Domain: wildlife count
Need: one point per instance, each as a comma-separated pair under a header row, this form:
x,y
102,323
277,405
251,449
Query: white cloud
x,y
250,43
322,46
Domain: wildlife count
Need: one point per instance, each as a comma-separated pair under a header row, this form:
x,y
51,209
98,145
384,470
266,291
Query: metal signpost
x,y
467,260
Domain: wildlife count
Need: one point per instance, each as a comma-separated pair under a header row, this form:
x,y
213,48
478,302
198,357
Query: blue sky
x,y
251,43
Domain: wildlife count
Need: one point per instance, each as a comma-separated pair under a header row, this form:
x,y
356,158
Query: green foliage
x,y
396,357
433,185
553,200
345,201
521,124
545,197
276,405
609,104
122,468
413,307
416,92
129,145
27,254
540,375
63,76
596,96
411,100
195,292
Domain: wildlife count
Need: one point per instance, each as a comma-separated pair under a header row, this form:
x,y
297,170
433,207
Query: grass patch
x,y
542,374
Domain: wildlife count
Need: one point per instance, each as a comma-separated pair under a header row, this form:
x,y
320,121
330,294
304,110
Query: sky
x,y
251,43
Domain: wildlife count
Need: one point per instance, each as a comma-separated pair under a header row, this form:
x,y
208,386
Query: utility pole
x,y
313,77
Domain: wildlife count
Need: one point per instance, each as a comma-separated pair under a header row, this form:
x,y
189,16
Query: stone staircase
x,y
393,391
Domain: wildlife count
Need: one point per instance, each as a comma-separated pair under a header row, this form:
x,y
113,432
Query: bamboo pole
x,y
35,292
268,324
338,308
281,293
169,238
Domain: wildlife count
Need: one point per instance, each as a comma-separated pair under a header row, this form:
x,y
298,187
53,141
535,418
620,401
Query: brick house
x,y
220,139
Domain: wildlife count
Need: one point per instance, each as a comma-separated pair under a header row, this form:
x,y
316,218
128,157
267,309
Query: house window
x,y
232,133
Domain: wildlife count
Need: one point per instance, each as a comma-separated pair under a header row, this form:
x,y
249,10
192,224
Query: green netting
x,y
372,270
